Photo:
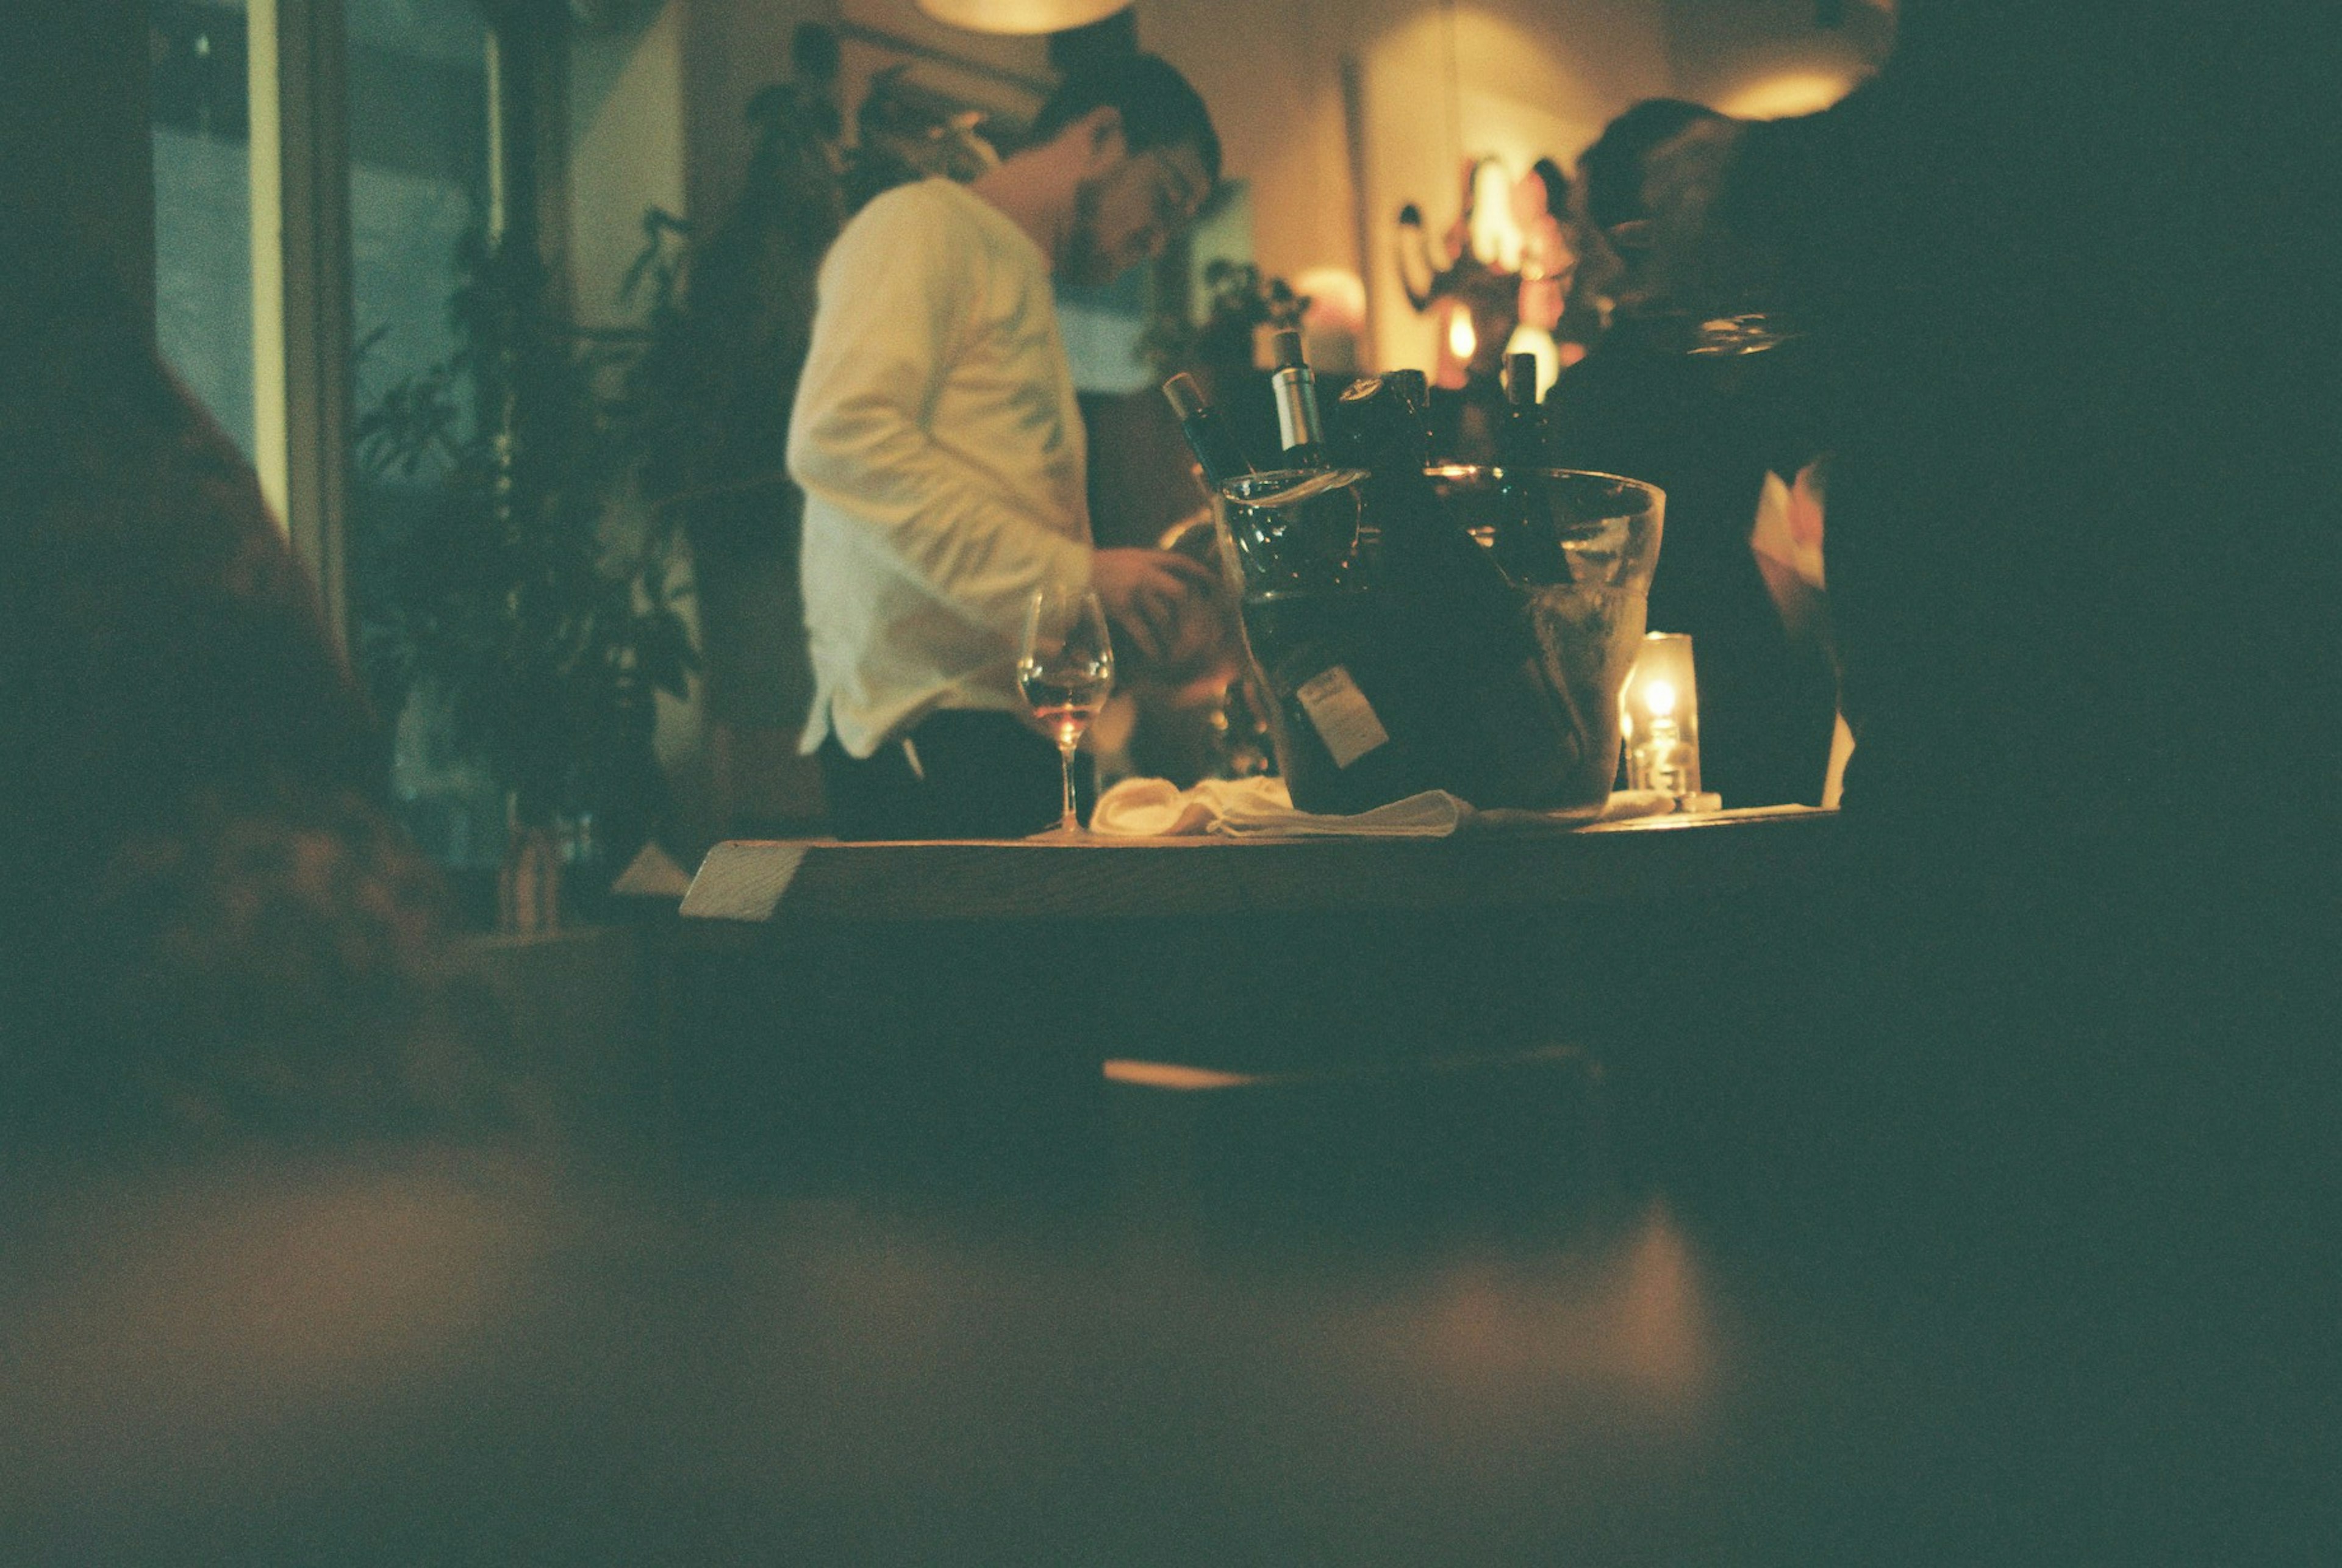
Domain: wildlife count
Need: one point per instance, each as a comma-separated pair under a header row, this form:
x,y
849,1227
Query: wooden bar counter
x,y
847,1009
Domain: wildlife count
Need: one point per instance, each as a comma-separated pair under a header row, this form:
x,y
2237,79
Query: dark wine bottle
x,y
1209,438
1420,545
1430,678
1367,429
1508,740
1311,632
1520,439
1413,389
1526,549
1301,428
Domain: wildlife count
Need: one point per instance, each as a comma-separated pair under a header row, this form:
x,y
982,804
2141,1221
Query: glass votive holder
x,y
1659,720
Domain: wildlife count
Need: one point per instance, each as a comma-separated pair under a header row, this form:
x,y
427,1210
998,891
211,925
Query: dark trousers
x,y
978,775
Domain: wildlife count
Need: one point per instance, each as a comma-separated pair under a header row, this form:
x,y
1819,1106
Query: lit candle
x,y
1659,715
1462,341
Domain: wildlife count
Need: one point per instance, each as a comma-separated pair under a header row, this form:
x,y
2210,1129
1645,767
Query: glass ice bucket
x,y
1495,676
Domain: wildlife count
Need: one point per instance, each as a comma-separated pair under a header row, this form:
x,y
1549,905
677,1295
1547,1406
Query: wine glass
x,y
1737,337
1065,668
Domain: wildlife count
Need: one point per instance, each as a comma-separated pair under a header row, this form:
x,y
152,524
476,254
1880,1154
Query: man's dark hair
x,y
1158,107
1612,167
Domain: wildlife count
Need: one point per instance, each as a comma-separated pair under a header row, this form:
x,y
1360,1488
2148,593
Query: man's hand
x,y
1145,593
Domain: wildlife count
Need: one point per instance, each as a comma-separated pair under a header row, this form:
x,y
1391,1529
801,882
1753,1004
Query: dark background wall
x,y
75,149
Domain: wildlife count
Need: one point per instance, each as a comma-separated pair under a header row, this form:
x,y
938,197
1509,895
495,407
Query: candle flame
x,y
1659,696
1461,339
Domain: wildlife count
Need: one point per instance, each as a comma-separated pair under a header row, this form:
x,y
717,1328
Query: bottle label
x,y
1341,715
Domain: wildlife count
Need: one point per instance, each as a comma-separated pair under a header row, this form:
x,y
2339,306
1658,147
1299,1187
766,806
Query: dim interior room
x,y
1328,166
292,188
466,1097
604,118
1334,116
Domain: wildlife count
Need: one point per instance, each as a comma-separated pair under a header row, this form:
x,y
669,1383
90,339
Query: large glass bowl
x,y
1580,547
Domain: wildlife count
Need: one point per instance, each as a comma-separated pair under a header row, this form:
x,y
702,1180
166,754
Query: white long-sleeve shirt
x,y
941,453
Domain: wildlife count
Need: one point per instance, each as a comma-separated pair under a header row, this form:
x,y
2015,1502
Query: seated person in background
x,y
941,451
214,935
1700,429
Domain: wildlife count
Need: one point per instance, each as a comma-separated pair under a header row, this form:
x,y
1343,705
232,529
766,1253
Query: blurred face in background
x,y
1548,258
1125,213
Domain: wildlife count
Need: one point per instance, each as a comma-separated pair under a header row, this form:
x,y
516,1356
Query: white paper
x,y
1344,719
653,874
743,881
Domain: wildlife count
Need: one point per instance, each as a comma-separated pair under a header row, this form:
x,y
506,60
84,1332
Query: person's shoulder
x,y
1635,355
1596,371
934,206
924,219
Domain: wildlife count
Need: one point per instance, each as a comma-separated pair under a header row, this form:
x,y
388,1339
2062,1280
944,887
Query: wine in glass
x,y
1066,669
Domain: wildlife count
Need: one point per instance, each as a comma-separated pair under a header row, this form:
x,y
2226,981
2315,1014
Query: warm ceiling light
x,y
1787,97
1021,15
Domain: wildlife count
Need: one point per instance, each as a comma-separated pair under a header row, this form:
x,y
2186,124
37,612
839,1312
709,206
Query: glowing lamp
x,y
1022,16
1659,720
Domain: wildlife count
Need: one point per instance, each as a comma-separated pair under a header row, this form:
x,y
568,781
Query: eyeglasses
x,y
1173,197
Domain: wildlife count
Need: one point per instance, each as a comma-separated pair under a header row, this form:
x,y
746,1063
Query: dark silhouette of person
x,y
216,934
1705,432
2058,1130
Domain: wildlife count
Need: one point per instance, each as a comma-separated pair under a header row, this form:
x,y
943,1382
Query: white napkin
x,y
1434,813
1622,805
1157,808
1260,808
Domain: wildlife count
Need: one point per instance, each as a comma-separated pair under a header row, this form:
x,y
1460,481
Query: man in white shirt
x,y
942,457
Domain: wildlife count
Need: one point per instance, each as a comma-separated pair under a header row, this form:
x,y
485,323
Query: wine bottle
x,y
1510,736
1414,390
1520,439
1301,428
1525,547
1209,438
1433,677
1420,546
1377,425
1374,428
1310,628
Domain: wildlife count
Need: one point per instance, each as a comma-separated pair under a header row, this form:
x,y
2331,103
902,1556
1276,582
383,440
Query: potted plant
x,y
520,603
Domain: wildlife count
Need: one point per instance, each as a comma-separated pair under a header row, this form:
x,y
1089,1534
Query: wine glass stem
x,y
1070,823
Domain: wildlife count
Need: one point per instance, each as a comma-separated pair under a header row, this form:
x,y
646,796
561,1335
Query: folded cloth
x,y
1623,805
1434,813
1260,808
1157,808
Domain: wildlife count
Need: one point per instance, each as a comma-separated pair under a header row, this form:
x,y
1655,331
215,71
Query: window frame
x,y
303,329
303,339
